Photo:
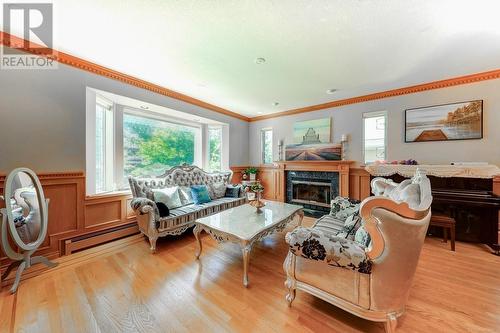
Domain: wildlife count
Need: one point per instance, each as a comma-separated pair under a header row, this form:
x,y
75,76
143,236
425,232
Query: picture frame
x,y
314,131
445,122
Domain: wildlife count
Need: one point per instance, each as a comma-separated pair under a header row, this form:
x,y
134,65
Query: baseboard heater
x,y
99,237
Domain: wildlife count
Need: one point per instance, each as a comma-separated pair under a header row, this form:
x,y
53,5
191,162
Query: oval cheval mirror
x,y
24,222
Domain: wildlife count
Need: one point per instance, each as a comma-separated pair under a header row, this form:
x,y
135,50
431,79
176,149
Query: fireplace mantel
x,y
314,165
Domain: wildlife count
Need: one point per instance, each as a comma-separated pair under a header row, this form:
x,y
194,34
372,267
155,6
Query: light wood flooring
x,y
121,287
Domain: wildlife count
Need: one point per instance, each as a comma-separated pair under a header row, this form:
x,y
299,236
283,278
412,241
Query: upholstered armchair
x,y
370,280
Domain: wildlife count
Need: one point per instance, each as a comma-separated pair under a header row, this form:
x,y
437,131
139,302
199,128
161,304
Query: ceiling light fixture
x,y
276,103
260,61
259,112
144,107
331,91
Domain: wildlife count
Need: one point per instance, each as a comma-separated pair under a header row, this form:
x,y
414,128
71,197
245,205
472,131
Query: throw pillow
x,y
162,209
185,195
343,207
351,225
362,237
169,196
233,191
217,190
200,194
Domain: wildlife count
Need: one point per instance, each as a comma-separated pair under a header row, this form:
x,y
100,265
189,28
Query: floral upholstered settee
x,y
179,219
362,256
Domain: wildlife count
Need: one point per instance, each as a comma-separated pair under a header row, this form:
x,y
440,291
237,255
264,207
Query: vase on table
x,y
258,203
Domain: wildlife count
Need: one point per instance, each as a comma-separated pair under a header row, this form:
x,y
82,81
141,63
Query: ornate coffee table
x,y
245,226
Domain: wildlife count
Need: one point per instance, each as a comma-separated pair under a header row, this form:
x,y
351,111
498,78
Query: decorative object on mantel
x,y
251,172
314,152
257,188
343,141
281,146
403,162
24,221
468,171
457,121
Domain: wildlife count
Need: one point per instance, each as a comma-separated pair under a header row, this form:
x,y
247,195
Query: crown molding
x,y
67,59
466,79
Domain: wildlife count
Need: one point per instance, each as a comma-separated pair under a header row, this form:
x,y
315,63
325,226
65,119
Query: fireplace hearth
x,y
313,190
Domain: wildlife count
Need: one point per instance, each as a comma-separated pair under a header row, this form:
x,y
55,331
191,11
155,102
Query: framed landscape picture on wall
x,y
457,121
314,131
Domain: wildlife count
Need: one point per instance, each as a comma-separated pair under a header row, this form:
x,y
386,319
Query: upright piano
x,y
474,203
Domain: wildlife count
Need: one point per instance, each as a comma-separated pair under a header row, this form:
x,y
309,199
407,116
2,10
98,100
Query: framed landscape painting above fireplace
x,y
457,121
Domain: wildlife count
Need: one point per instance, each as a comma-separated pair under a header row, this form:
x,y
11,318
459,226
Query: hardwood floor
x,y
121,287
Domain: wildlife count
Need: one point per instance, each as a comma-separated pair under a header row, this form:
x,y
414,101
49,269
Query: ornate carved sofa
x,y
180,219
372,282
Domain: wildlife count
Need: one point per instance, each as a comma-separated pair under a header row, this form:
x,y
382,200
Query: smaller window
x,y
267,145
214,148
374,136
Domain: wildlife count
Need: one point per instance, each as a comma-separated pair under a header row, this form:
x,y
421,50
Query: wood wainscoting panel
x,y
267,179
73,216
99,213
359,183
66,192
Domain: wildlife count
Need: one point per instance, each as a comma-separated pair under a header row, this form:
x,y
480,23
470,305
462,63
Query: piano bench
x,y
447,223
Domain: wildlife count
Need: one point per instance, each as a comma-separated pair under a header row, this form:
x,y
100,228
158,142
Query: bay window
x,y
124,141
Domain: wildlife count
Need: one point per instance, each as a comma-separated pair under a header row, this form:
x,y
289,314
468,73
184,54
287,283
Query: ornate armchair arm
x,y
332,250
143,206
371,222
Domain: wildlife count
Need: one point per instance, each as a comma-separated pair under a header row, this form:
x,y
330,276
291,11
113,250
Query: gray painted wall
x,y
347,120
42,118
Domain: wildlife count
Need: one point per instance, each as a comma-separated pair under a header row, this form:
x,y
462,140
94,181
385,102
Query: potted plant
x,y
252,172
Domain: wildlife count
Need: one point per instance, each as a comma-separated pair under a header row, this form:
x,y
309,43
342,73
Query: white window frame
x,y
207,161
262,142
374,114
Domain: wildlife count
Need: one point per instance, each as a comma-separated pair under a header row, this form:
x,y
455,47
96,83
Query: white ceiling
x,y
206,49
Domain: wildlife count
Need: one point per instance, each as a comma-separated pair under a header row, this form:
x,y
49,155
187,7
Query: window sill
x,y
108,194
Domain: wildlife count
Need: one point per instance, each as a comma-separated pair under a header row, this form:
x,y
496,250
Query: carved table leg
x,y
196,232
246,248
300,213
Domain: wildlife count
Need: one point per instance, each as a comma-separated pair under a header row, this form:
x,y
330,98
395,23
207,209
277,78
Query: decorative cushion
x,y
200,194
342,207
162,209
169,196
362,237
217,190
351,225
185,195
233,191
332,250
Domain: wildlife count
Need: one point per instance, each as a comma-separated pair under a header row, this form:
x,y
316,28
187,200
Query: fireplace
x,y
313,190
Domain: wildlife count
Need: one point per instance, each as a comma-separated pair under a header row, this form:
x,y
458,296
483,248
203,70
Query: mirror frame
x,y
8,193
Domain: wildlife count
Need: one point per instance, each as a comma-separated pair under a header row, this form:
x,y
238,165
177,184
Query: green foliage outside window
x,y
153,146
214,143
